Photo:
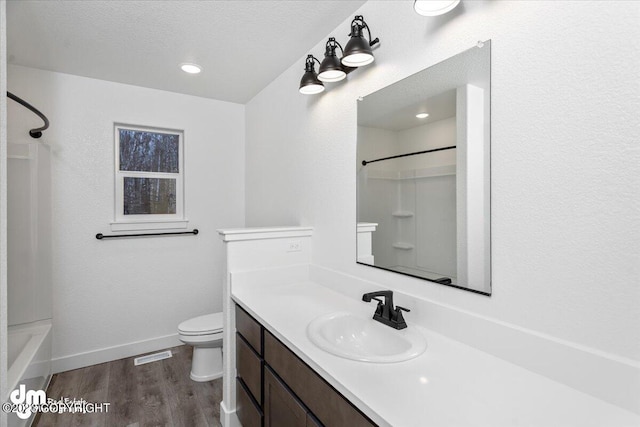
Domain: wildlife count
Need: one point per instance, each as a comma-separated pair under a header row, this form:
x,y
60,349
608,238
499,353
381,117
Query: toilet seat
x,y
202,325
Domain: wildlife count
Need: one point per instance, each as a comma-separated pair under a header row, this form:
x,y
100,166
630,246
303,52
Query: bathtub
x,y
29,360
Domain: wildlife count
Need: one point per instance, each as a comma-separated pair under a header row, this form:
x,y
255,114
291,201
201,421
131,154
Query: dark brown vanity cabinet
x,y
249,367
275,388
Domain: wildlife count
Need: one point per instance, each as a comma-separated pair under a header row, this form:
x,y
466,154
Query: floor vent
x,y
152,358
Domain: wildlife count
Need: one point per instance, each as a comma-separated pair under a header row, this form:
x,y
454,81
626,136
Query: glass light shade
x,y
331,69
309,84
434,7
311,89
332,76
358,59
357,52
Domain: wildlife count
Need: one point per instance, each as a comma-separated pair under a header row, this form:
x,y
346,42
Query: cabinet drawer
x,y
249,328
248,413
249,367
329,406
281,407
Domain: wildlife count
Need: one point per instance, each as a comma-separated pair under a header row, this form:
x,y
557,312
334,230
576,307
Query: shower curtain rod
x,y
37,132
365,162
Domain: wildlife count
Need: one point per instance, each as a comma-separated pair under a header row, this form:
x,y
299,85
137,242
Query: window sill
x,y
149,225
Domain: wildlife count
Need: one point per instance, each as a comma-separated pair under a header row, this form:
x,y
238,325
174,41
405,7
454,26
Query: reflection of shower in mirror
x,y
423,173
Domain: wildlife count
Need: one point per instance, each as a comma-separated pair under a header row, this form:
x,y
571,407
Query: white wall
x,y
113,292
565,163
441,133
375,143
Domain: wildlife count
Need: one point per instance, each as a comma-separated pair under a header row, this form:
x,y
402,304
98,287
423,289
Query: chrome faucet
x,y
385,311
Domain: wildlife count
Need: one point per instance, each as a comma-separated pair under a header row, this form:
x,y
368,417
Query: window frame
x,y
124,222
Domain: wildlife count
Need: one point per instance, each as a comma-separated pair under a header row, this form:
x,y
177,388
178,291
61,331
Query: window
x,y
149,178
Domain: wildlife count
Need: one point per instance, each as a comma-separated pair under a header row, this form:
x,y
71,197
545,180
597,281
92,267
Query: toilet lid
x,y
202,325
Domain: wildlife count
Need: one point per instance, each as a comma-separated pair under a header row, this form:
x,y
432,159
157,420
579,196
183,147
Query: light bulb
x,y
190,68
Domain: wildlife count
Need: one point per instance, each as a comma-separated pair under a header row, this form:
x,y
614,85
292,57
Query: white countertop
x,y
450,384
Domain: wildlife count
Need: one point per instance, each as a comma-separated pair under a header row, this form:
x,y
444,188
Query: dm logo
x,y
24,400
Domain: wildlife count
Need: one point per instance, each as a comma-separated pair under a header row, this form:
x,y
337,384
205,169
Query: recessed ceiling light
x,y
422,115
190,68
434,7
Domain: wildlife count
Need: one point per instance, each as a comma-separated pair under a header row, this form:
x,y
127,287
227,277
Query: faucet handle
x,y
399,318
379,307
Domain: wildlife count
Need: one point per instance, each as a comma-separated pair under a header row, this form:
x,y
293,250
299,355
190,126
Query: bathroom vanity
x,y
473,372
449,384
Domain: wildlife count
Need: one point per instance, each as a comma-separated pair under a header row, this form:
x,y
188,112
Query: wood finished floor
x,y
155,394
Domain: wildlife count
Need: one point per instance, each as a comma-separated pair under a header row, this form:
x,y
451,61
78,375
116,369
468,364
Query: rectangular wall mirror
x,y
423,174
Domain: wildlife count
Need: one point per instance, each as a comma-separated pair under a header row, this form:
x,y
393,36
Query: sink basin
x,y
361,338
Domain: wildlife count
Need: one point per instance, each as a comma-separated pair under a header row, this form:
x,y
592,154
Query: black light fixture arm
x,y
308,64
37,132
331,45
357,25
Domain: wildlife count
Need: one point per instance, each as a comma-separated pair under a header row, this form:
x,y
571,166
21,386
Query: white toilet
x,y
204,333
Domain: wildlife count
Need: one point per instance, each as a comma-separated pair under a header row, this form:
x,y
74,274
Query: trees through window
x,y
149,174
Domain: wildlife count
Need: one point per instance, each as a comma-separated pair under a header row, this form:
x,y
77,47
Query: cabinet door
x,y
247,410
281,407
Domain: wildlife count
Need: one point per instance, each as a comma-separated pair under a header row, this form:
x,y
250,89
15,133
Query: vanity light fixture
x,y
422,115
190,68
309,84
331,68
358,51
355,54
434,7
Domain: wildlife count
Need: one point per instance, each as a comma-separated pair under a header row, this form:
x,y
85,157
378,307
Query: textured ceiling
x,y
241,45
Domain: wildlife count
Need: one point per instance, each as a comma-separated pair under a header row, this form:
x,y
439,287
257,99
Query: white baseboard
x,y
606,376
228,418
81,360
